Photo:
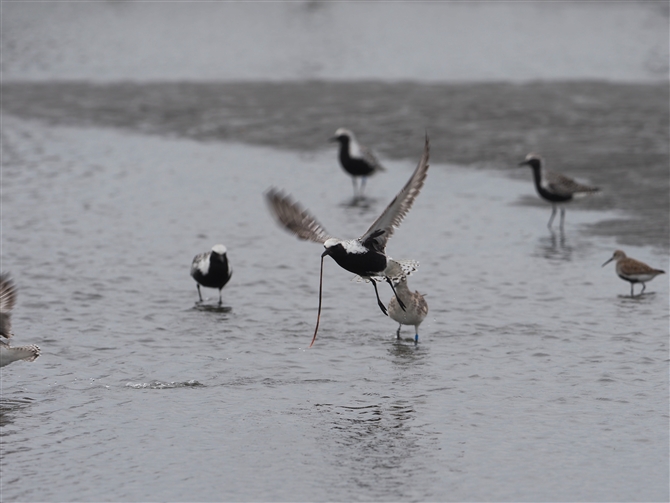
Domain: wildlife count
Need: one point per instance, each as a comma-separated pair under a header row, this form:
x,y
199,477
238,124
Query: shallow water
x,y
137,134
536,376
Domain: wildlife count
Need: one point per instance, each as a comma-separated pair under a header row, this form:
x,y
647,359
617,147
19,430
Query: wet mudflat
x,y
612,134
536,376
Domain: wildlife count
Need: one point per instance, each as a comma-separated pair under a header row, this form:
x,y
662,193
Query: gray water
x,y
536,378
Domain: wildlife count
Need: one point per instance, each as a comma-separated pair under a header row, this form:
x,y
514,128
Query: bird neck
x,y
537,177
344,148
402,287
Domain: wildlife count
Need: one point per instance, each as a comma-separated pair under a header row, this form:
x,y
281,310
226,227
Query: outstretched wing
x,y
7,301
564,185
382,229
294,218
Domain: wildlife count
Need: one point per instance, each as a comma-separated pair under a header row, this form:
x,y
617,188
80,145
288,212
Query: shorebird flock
x,y
364,256
559,190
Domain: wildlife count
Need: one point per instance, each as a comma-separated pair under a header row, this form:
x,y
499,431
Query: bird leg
x,y
220,300
643,288
562,217
553,214
631,290
400,302
199,294
363,179
398,332
379,302
353,180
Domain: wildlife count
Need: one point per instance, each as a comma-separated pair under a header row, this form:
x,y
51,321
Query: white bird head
x,y
343,135
532,160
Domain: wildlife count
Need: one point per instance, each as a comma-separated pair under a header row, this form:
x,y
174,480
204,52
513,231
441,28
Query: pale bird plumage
x,y
201,262
396,270
632,270
8,353
416,308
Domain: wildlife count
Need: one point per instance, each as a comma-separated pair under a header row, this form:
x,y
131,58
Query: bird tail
x,y
396,270
399,269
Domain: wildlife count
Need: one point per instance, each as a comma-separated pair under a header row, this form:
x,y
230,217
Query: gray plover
x,y
211,269
554,187
633,270
356,160
366,255
9,354
416,308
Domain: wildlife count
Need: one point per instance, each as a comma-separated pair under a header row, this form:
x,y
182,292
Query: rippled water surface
x,y
138,134
536,376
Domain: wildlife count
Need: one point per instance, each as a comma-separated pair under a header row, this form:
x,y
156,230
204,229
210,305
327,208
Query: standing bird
x,y
554,187
365,256
9,354
633,270
356,160
416,308
211,269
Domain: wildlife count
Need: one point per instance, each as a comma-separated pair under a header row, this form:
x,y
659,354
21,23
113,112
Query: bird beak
x,y
610,260
524,163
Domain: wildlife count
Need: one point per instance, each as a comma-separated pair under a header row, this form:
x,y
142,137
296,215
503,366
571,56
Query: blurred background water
x,y
137,134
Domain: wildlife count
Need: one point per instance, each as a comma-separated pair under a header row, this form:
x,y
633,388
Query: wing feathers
x,y
294,218
401,204
562,184
7,301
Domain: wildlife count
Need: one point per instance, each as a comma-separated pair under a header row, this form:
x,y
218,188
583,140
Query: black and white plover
x,y
416,308
356,160
554,187
211,269
365,256
9,354
633,270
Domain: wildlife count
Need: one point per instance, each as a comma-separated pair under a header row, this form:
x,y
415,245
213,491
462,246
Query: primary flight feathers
x,y
294,218
303,224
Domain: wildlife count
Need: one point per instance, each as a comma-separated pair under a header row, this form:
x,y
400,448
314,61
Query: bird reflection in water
x,y
554,246
212,308
405,352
